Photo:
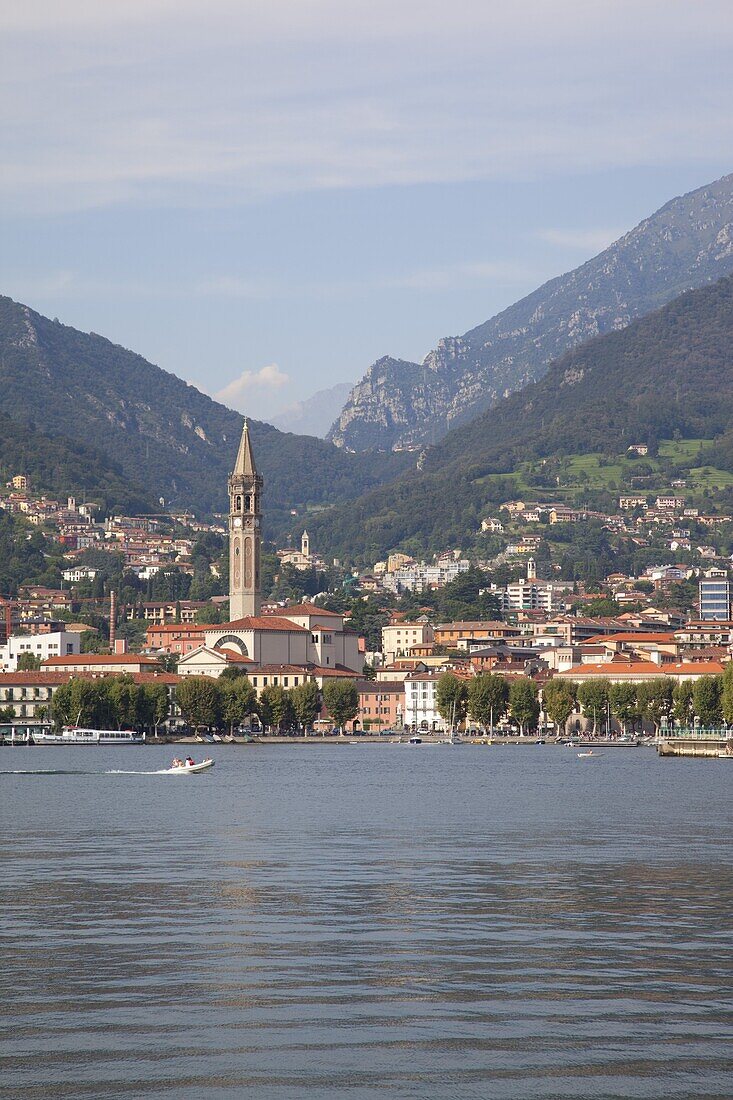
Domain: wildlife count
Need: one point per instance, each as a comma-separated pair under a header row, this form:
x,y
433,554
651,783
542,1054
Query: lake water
x,y
367,921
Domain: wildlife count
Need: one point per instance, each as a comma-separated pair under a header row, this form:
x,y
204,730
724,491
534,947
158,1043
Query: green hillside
x,y
162,433
58,466
667,377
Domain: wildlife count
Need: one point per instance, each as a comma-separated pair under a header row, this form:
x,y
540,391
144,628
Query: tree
x,y
487,698
240,700
276,708
341,698
199,699
726,698
306,700
706,698
593,698
655,700
28,662
683,704
153,705
451,698
624,707
558,698
123,697
82,702
523,703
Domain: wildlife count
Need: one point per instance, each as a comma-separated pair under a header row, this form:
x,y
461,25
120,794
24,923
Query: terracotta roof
x,y
644,668
53,679
99,659
257,622
389,686
235,658
172,627
661,638
310,609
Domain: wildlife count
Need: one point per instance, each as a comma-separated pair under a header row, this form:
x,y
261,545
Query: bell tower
x,y
245,490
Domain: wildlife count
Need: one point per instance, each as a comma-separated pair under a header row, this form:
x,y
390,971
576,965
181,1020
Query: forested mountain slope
x,y
162,433
686,244
58,466
668,375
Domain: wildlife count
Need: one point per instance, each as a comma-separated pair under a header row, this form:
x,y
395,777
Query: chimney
x,y
120,646
112,621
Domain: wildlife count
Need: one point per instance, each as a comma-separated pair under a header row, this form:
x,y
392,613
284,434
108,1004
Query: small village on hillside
x,y
159,623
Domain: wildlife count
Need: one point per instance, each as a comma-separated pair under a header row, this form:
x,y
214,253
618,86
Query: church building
x,y
304,636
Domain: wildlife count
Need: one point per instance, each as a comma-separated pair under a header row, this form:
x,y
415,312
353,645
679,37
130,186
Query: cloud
x,y
252,386
156,103
581,240
460,274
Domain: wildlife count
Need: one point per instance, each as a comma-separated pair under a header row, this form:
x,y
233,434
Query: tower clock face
x,y
237,521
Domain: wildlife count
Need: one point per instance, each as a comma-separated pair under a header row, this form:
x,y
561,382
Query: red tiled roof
x,y
235,658
644,668
309,609
99,659
257,622
661,638
53,679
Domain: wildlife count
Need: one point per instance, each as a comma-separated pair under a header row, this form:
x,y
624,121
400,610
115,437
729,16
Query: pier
x,y
695,741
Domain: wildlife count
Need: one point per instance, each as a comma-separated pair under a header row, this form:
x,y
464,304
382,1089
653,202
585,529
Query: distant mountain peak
x,y
688,243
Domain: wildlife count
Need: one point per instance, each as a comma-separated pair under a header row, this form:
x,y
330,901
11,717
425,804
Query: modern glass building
x,y
715,595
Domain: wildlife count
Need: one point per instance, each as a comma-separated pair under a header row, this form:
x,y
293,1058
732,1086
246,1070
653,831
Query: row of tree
x,y
109,702
488,698
231,700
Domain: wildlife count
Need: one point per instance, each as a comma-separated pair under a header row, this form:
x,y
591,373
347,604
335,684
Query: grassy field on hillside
x,y
571,473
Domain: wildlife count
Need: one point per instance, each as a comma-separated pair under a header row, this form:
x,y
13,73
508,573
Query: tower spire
x,y
245,464
245,489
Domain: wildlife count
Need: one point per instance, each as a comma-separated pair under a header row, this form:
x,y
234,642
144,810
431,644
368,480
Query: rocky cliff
x,y
686,244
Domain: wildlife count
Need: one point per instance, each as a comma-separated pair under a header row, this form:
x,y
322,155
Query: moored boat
x,y
81,735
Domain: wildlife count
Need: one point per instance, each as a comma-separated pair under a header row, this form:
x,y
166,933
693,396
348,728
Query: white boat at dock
x,y
81,735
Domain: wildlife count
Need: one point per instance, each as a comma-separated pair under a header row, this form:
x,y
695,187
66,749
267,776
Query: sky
x,y
264,196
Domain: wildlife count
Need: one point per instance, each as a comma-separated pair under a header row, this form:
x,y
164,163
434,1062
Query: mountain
x,y
667,376
315,414
160,432
686,244
57,466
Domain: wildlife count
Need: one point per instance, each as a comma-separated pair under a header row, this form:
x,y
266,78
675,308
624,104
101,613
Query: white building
x,y
61,643
420,708
399,638
79,573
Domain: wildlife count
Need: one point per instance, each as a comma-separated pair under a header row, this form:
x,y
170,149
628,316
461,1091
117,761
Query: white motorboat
x,y
585,755
190,769
79,735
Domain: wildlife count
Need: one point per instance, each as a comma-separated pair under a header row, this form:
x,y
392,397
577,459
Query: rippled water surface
x,y
366,921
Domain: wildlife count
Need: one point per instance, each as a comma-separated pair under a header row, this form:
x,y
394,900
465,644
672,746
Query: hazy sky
x,y
264,197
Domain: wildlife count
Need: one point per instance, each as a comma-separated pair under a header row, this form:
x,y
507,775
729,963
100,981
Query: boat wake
x,y
85,771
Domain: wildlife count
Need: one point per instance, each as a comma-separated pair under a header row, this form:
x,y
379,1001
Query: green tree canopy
x,y
558,698
624,704
276,708
341,698
239,700
593,698
655,699
707,700
524,703
306,700
200,700
488,695
451,698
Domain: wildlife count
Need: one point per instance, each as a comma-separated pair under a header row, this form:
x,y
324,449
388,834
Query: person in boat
x,y
189,761
176,763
